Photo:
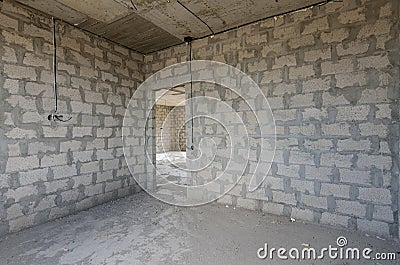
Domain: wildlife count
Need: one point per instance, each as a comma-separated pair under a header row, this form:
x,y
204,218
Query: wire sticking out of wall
x,y
55,116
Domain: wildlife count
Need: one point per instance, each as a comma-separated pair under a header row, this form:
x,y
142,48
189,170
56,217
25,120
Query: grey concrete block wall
x,y
170,128
331,75
49,171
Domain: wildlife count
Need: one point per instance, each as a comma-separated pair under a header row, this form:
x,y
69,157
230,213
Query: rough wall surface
x,y
331,75
172,128
48,171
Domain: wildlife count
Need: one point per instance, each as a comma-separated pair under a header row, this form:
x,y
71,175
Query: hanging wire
x,y
189,42
55,65
191,89
54,116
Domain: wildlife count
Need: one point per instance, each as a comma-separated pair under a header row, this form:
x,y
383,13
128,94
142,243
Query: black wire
x,y
196,16
55,66
246,24
191,91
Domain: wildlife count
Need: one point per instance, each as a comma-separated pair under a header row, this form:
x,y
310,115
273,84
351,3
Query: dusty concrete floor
x,y
170,166
141,230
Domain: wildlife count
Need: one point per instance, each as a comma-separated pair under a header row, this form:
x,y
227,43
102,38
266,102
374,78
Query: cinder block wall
x,y
48,172
173,130
331,75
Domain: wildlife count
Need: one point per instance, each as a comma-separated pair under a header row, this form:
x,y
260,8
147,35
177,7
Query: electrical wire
x,y
191,91
196,16
55,66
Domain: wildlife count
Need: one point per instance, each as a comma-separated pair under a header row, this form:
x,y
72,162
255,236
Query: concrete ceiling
x,y
151,25
171,97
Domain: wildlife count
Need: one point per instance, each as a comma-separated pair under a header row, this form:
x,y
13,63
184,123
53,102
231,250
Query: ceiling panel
x,y
150,25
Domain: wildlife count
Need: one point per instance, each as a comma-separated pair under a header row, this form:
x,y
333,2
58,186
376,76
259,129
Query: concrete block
x,y
81,107
314,201
330,100
351,79
355,176
32,176
306,129
376,227
320,145
380,27
55,132
351,207
383,213
111,186
81,132
93,97
374,96
336,35
288,171
374,62
301,101
352,145
337,190
272,208
335,159
304,186
302,214
72,145
342,66
20,193
284,88
18,133
351,16
370,129
15,38
67,171
336,129
318,173
14,211
21,72
110,164
8,22
286,60
315,25
312,114
352,48
282,197
284,32
316,84
90,167
352,113
9,55
334,219
15,164
301,158
246,203
31,59
375,195
53,160
300,42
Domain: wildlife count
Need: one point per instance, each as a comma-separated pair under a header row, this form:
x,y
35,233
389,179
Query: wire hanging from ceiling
x,y
188,41
55,116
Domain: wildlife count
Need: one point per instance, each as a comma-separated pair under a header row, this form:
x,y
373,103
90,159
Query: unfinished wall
x,y
173,129
48,172
331,75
